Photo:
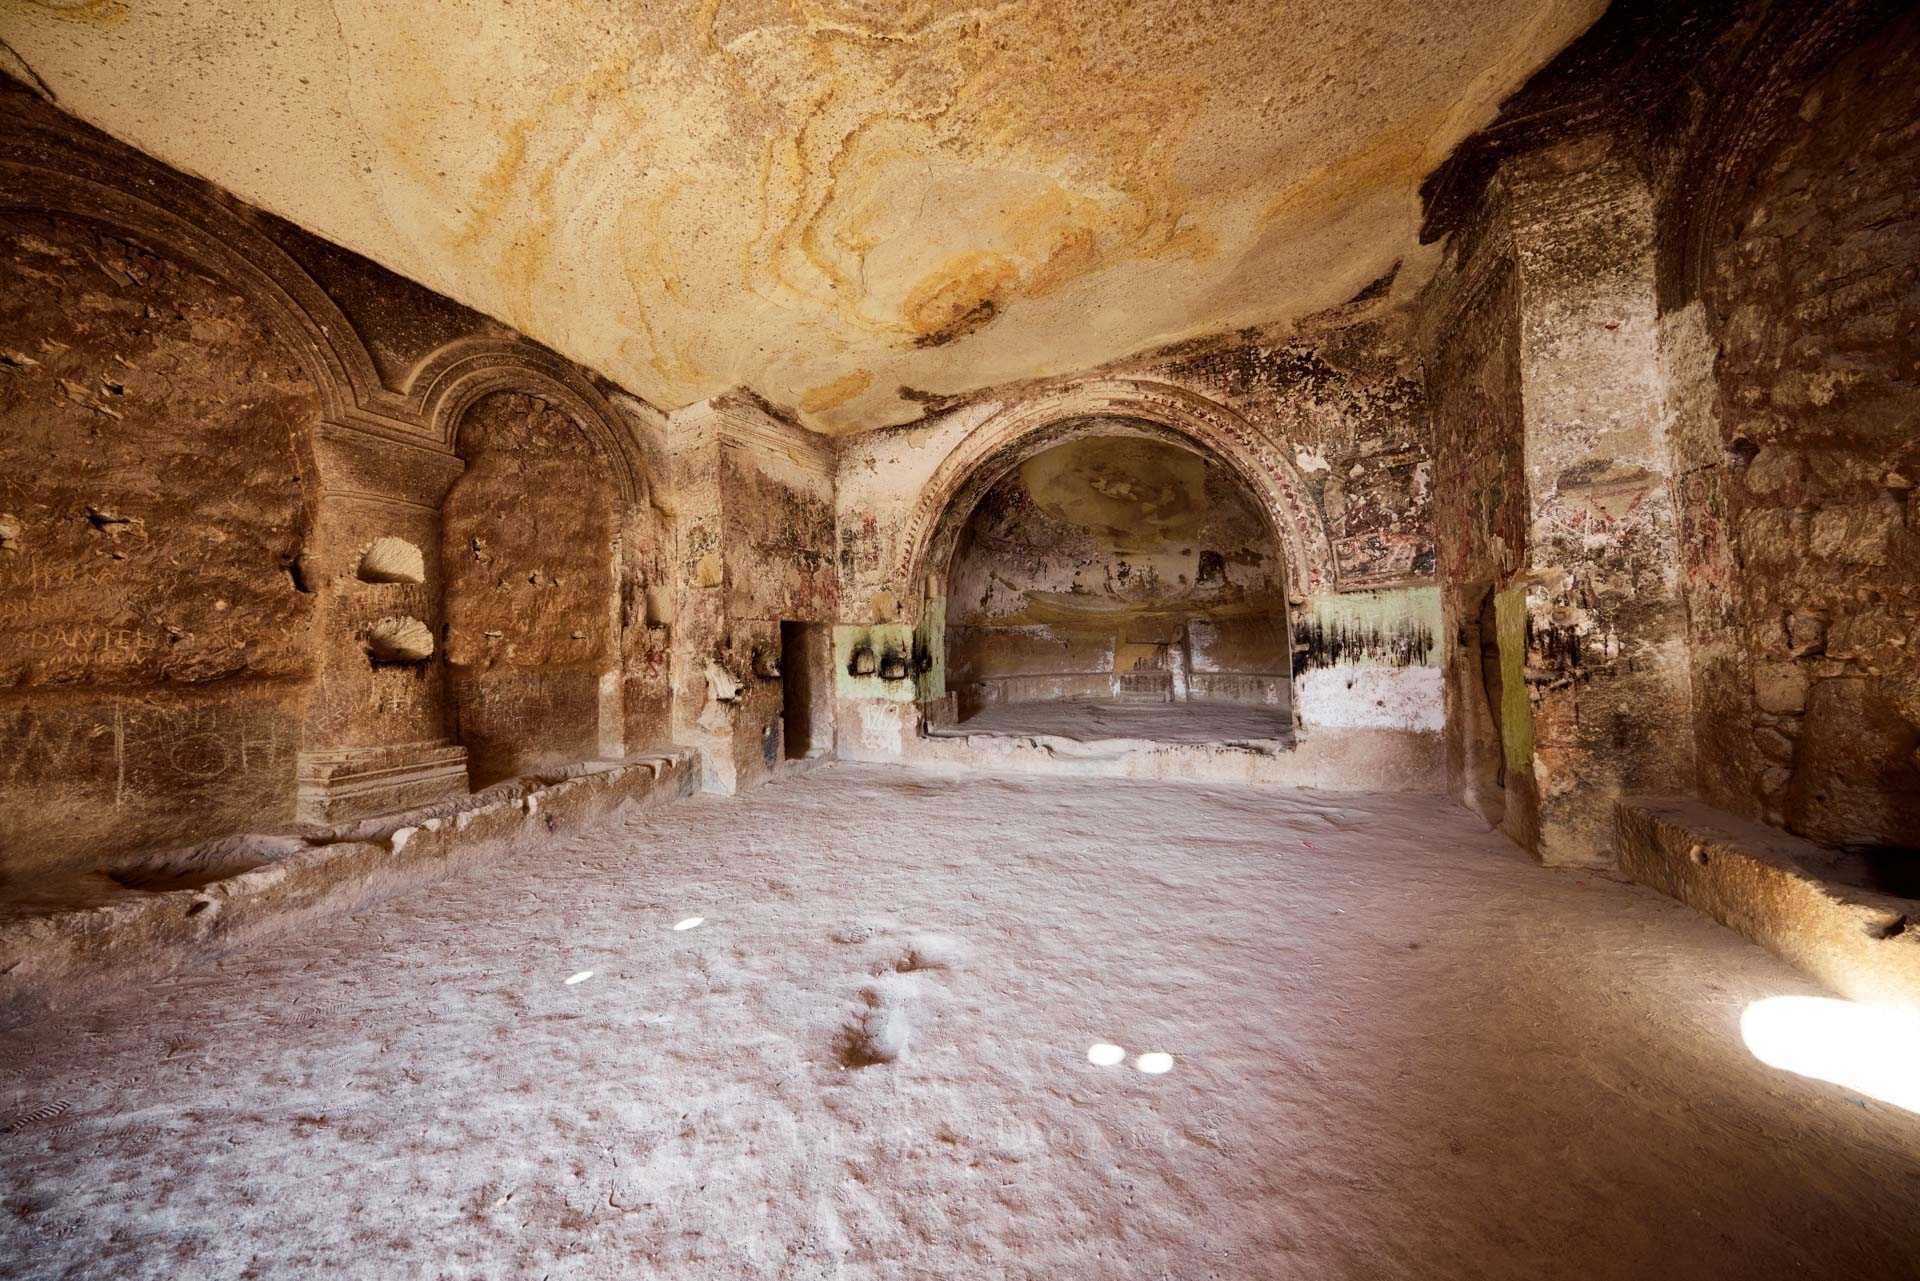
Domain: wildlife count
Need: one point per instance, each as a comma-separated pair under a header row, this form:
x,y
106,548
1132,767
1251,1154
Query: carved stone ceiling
x,y
826,201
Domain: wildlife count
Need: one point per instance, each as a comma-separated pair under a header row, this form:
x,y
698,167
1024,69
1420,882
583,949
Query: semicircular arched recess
x,y
42,173
1775,67
453,378
1018,432
75,172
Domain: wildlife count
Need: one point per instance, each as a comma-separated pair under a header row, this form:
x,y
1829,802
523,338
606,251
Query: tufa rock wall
x,y
1325,426
531,548
755,513
1471,337
1792,317
227,448
156,490
1680,265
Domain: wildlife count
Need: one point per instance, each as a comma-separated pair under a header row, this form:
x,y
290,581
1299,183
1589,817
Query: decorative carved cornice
x,y
744,419
355,465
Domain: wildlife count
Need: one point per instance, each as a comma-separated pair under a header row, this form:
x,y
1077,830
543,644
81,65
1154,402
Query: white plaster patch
x,y
1308,460
1353,697
722,685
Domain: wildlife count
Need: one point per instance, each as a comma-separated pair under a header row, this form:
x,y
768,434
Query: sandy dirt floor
x,y
1399,1050
1086,721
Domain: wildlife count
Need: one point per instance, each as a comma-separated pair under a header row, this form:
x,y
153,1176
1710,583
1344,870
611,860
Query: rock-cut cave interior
x,y
870,640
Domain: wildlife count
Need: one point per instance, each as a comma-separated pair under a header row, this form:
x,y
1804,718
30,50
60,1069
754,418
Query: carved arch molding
x,y
1018,432
75,173
1774,62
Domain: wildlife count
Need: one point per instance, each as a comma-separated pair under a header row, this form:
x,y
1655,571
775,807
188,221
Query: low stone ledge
x,y
1343,760
136,935
1809,905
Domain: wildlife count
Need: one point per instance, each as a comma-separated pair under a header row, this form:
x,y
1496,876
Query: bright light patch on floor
x,y
1155,1064
1104,1055
581,977
689,923
1870,1051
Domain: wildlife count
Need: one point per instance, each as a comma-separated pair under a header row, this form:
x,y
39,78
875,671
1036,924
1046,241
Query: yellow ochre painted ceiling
x,y
825,201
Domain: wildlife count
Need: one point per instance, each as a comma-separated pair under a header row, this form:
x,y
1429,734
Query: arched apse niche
x,y
546,564
1176,462
1008,438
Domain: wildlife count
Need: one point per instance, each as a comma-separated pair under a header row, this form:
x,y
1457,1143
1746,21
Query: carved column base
x,y
358,782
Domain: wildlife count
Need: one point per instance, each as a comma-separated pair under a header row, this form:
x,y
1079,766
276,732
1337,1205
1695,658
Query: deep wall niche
x,y
1118,563
531,546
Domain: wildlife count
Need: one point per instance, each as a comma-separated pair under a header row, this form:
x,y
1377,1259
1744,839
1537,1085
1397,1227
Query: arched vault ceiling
x,y
823,200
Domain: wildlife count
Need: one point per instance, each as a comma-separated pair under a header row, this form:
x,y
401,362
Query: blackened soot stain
x,y
1320,644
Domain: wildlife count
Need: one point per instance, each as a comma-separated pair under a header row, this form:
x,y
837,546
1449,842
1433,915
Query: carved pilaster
x,y
376,730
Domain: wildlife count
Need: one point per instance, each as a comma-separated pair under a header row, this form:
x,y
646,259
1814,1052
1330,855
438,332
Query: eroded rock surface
x,y
830,203
154,647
